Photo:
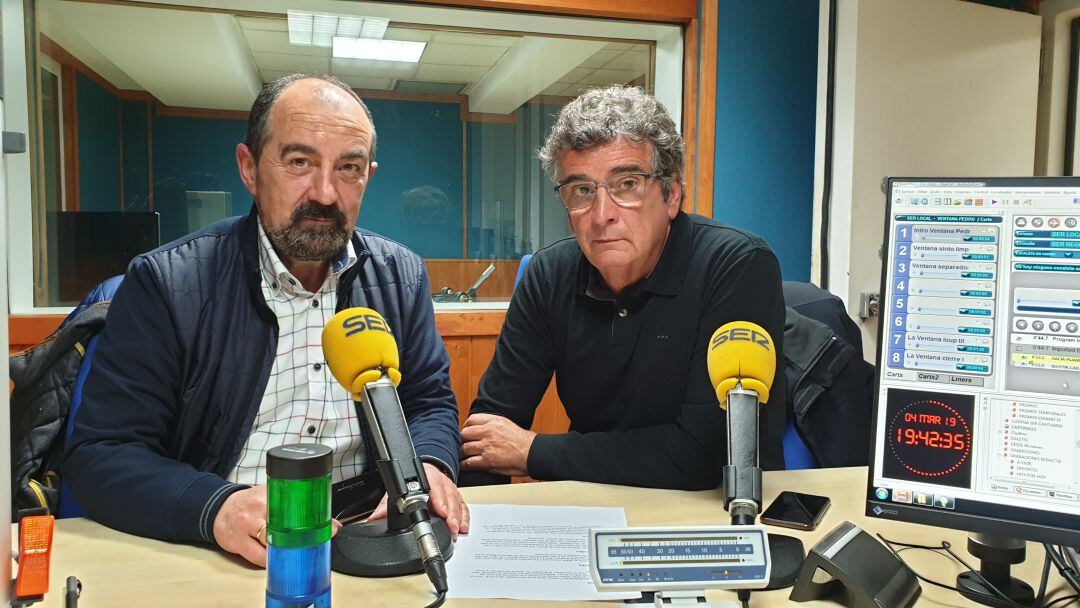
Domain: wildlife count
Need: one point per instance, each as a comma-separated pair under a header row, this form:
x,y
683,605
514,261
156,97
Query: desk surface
x,y
122,570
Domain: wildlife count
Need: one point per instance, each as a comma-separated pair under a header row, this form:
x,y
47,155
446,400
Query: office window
x,y
157,99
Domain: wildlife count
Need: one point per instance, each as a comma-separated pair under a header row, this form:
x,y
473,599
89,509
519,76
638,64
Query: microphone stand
x,y
409,540
742,475
742,487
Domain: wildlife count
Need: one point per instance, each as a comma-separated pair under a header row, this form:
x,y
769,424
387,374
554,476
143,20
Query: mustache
x,y
312,210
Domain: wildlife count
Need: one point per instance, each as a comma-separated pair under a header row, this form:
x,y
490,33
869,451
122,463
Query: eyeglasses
x,y
627,190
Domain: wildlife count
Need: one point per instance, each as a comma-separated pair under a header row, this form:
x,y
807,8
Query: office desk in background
x,y
122,570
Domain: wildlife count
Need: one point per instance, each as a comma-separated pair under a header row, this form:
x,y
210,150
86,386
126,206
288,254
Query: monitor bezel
x,y
940,518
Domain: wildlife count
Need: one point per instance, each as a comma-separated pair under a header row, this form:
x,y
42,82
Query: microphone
x,y
363,356
742,364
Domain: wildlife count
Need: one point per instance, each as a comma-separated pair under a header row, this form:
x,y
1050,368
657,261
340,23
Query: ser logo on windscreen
x,y
741,334
359,323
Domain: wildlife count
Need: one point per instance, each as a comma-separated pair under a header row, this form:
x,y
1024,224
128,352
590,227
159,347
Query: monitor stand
x,y
996,554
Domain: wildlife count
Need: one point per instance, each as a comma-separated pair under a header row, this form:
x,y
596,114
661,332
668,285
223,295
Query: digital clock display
x,y
928,437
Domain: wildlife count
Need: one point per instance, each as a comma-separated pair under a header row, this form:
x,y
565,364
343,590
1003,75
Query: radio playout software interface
x,y
978,404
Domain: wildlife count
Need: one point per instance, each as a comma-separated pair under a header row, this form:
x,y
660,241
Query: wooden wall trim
x,y
706,119
120,147
670,11
28,330
689,113
407,96
149,158
558,100
502,119
70,129
163,110
129,95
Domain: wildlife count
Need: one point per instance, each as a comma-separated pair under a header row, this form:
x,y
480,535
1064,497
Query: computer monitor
x,y
92,246
977,411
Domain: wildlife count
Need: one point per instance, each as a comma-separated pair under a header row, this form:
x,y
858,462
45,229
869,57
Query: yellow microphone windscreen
x,y
741,351
357,344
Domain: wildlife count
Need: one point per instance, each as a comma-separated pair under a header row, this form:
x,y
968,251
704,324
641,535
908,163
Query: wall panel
x,y
98,120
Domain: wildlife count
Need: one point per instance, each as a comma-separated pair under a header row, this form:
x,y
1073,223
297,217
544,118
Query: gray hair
x,y
602,115
258,128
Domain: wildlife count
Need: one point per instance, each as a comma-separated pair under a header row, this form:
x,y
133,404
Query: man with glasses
x,y
622,314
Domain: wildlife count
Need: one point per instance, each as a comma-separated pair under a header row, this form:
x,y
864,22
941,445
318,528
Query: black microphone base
x,y
787,560
370,549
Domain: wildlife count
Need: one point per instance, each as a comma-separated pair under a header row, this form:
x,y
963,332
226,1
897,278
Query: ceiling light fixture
x,y
309,28
378,50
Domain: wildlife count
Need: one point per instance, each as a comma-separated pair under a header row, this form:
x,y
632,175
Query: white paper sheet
x,y
530,553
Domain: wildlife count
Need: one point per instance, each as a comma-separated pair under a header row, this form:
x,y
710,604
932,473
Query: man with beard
x,y
212,352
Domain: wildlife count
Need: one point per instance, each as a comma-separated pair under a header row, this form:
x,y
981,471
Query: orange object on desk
x,y
35,544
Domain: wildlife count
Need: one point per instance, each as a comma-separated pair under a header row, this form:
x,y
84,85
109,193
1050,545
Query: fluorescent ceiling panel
x,y
378,50
311,28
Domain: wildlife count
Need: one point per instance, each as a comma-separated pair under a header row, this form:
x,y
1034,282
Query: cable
x,y
945,545
1000,595
826,181
1042,583
1073,557
438,600
744,597
1062,600
1064,567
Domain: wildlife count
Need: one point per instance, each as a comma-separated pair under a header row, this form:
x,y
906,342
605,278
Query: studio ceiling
x,y
207,59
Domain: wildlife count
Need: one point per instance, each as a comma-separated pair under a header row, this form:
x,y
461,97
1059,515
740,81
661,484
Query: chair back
x,y
103,292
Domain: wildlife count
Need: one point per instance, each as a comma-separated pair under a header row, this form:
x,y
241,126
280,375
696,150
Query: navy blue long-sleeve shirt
x,y
183,362
631,369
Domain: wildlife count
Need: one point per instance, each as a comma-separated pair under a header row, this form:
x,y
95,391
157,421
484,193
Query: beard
x,y
312,242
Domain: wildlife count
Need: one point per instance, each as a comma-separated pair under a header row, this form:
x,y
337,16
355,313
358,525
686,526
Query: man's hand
x,y
494,443
444,500
240,525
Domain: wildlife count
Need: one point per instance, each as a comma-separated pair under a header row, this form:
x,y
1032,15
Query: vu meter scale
x,y
678,564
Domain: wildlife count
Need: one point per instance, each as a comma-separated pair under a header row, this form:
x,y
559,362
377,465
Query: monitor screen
x,y
977,419
92,246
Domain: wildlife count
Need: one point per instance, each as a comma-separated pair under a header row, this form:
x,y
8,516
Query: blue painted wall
x,y
766,92
134,134
415,196
195,154
99,146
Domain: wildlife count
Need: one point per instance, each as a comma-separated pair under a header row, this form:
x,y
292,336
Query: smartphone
x,y
796,510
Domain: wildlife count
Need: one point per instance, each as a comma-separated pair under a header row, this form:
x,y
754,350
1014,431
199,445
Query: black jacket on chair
x,y
830,387
44,378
